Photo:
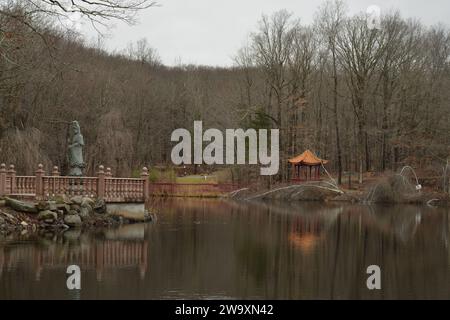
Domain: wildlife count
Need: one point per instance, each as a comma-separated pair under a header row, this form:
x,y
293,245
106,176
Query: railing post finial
x,y
144,171
108,172
55,171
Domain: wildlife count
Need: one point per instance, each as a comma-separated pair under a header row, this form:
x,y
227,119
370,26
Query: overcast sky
x,y
209,32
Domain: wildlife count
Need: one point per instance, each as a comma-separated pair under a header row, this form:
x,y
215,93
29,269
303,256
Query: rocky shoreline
x,y
60,213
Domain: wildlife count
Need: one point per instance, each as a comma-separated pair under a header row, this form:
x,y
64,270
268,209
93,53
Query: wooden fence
x,y
104,185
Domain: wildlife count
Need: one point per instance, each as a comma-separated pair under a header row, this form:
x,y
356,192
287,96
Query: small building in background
x,y
310,163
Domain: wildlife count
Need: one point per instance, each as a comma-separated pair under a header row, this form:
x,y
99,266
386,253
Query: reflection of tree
x,y
401,221
246,249
268,250
215,248
254,257
321,251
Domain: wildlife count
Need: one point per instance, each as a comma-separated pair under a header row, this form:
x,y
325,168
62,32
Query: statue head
x,y
75,126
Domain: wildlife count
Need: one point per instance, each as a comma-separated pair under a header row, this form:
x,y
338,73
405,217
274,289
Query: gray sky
x,y
209,32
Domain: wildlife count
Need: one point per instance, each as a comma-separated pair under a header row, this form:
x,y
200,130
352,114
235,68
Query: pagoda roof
x,y
307,158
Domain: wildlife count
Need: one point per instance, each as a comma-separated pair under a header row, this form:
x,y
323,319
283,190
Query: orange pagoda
x,y
308,160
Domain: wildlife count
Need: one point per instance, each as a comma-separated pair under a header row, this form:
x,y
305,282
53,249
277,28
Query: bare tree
x,y
144,53
329,22
59,12
364,99
359,50
97,11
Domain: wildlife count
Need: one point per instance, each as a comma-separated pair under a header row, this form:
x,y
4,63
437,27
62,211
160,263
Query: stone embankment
x,y
59,213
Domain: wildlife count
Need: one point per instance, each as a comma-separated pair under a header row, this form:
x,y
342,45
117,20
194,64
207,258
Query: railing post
x,y
40,182
108,172
144,177
12,178
101,182
2,179
53,186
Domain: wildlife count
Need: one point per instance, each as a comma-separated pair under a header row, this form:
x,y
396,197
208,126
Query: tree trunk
x,y
336,120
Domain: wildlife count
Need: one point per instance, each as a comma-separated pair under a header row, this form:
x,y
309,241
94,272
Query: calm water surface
x,y
222,249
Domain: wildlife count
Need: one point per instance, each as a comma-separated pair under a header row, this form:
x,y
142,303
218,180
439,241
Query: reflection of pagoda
x,y
309,230
306,233
305,242
98,255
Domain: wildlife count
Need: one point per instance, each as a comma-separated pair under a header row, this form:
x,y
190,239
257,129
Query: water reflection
x,y
221,249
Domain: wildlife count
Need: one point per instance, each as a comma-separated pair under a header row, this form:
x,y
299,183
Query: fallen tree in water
x,y
315,190
311,190
402,187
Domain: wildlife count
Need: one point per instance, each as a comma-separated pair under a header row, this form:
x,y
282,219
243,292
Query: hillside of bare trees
x,y
366,99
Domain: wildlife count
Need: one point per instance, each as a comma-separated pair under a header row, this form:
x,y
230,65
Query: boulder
x,y
43,205
46,205
21,205
47,215
87,202
100,206
72,220
52,206
75,207
64,207
62,199
77,199
72,213
85,212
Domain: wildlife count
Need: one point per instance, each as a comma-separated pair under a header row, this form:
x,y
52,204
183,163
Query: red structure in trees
x,y
308,160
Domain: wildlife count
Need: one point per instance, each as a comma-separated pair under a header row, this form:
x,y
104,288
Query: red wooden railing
x,y
104,185
125,189
71,186
25,184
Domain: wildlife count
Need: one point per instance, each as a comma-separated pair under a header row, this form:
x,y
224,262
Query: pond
x,y
218,249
